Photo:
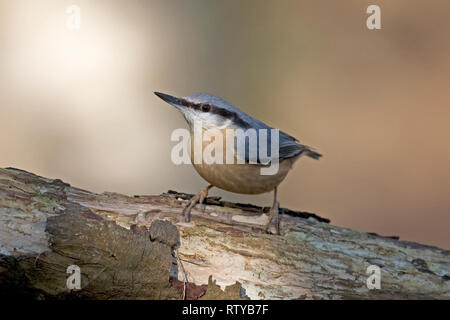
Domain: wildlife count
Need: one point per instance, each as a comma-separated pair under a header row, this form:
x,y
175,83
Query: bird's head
x,y
208,110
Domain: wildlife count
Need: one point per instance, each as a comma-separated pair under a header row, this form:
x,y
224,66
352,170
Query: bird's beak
x,y
174,101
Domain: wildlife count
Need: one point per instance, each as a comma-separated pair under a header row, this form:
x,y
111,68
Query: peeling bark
x,y
127,247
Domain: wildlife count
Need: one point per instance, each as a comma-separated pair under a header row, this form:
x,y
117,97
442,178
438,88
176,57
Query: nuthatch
x,y
245,178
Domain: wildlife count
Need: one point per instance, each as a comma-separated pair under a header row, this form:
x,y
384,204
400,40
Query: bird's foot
x,y
274,216
198,198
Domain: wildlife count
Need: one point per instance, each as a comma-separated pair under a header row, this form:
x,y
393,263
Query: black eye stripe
x,y
216,110
230,115
187,103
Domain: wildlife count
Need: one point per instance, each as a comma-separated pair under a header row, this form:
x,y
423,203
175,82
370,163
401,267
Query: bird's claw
x,y
187,212
274,216
203,197
199,198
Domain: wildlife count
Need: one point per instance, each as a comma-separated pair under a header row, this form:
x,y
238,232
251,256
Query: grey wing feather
x,y
289,147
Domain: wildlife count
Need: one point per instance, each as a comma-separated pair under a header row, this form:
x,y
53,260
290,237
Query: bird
x,y
244,177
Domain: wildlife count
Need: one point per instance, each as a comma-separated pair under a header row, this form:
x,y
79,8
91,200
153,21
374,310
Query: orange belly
x,y
241,178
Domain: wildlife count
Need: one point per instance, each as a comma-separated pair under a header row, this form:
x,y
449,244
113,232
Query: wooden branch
x,y
128,247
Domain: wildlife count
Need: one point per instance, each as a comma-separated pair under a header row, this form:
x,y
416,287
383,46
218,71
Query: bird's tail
x,y
311,153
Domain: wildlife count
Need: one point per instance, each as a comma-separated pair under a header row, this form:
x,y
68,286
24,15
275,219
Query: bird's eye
x,y
206,107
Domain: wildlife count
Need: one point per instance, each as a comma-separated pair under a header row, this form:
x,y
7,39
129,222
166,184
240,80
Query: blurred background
x,y
78,104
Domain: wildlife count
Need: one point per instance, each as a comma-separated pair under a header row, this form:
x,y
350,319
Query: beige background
x,y
79,105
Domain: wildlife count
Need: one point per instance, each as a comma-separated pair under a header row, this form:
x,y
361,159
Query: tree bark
x,y
139,248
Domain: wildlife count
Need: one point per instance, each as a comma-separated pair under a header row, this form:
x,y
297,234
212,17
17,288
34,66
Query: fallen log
x,y
139,248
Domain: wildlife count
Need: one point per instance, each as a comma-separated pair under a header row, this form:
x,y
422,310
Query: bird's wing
x,y
288,147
